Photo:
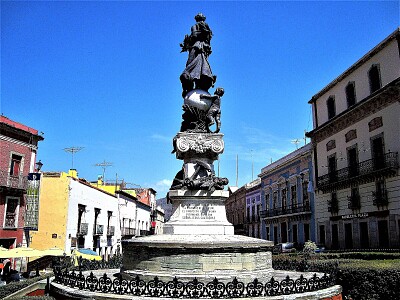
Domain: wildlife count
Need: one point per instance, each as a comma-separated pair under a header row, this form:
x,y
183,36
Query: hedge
x,y
360,279
13,287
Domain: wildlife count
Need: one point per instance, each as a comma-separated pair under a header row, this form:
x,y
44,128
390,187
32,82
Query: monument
x,y
198,256
198,241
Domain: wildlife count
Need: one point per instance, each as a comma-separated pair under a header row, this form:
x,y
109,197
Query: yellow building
x,y
53,211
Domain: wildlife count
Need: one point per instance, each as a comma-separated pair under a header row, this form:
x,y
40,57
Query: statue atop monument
x,y
197,74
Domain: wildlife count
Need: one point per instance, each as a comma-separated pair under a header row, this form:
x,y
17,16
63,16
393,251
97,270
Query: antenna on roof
x,y
296,142
73,150
104,165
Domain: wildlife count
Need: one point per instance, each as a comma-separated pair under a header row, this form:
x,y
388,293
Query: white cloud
x,y
160,137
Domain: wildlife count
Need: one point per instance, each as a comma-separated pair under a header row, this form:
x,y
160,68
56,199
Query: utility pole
x,y
73,150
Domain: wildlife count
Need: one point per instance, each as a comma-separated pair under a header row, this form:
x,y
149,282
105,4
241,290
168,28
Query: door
x,y
378,154
364,238
335,237
352,161
348,236
284,232
383,234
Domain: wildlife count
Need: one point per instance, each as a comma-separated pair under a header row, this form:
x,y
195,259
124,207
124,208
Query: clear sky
x,y
104,75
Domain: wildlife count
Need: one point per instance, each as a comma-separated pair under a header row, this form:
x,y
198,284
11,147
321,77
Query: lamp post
x,y
39,165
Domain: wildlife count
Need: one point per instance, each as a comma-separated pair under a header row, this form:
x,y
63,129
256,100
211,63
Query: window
x,y
352,159
354,201
284,197
378,152
330,103
332,167
374,78
306,232
306,200
15,165
333,204
274,199
11,215
267,202
379,196
351,94
293,195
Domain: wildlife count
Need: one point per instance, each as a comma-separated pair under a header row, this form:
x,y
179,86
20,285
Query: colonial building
x,y
356,142
134,216
74,214
18,147
235,207
287,203
253,207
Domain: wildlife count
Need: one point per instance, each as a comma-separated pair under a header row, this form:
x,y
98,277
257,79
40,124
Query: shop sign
x,y
355,216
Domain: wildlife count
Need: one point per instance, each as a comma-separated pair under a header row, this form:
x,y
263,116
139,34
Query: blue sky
x,y
104,75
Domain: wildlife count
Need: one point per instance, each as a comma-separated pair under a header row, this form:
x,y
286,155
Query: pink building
x,y
18,147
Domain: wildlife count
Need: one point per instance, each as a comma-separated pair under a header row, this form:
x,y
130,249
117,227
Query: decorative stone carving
x,y
351,135
375,123
206,145
330,145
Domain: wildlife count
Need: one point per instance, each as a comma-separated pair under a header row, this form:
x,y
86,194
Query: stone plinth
x,y
197,256
198,212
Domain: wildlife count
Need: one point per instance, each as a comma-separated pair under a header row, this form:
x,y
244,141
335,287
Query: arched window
x,y
330,103
374,78
351,94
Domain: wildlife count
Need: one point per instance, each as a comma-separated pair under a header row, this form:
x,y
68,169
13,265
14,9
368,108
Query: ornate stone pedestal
x,y
198,212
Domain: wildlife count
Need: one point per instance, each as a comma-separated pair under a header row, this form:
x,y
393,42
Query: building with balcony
x,y
235,207
18,148
253,208
134,216
287,198
356,142
73,214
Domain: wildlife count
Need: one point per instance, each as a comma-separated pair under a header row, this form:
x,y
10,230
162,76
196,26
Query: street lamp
x,y
39,165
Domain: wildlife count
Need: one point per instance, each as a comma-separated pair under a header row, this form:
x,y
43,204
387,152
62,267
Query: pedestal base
x,y
197,256
198,212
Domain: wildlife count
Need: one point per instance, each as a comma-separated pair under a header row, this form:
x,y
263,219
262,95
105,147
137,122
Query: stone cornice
x,y
367,107
14,141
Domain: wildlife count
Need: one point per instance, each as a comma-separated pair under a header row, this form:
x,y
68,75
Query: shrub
x,y
13,287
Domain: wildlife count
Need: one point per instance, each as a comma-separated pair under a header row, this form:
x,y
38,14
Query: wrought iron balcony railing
x,y
128,231
366,171
13,182
98,229
83,229
380,198
144,232
110,230
354,202
286,210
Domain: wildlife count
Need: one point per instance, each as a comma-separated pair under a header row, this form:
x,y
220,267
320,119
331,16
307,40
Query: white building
x,y
93,218
356,142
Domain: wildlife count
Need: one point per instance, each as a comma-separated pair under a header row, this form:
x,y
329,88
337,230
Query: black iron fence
x,y
299,208
361,170
192,289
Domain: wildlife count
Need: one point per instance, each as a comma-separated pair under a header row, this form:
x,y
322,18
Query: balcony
x,y
380,198
13,182
144,232
110,230
354,202
366,171
286,210
83,229
128,231
98,229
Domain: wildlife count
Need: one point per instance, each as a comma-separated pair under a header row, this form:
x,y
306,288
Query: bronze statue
x,y
214,112
197,73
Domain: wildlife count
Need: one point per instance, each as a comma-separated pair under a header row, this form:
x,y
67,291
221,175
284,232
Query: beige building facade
x,y
356,141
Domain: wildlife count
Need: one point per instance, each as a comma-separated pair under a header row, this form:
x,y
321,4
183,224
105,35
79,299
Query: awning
x,y
86,254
